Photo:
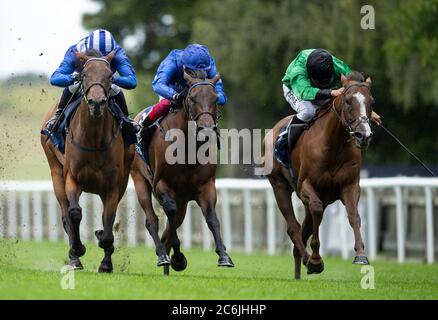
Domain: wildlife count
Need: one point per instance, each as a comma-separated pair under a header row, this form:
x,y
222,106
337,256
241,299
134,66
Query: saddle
x,y
281,148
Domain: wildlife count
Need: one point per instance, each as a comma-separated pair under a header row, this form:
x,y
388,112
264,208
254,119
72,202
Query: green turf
x,y
30,270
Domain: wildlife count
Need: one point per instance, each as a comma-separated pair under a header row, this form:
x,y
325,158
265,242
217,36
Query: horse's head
x,y
357,103
96,77
200,102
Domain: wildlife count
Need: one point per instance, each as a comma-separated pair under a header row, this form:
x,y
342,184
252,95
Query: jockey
x,y
309,83
170,85
67,74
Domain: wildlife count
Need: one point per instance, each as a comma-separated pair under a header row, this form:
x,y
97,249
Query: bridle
x,y
351,125
189,103
85,90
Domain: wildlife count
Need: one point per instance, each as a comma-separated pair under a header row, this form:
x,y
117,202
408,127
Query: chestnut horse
x,y
326,164
174,185
95,160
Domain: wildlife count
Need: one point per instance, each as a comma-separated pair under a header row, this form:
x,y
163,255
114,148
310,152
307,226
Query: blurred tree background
x,y
254,41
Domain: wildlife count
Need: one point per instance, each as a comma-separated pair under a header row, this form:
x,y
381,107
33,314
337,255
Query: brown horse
x,y
326,162
95,160
174,185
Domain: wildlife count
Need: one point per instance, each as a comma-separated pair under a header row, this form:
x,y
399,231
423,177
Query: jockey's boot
x,y
132,126
296,127
65,98
146,131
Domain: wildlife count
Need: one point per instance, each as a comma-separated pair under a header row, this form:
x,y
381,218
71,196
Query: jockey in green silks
x,y
309,83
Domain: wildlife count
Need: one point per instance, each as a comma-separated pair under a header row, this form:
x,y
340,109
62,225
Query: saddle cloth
x,y
58,136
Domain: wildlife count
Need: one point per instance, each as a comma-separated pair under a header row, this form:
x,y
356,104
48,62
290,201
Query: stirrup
x,y
50,123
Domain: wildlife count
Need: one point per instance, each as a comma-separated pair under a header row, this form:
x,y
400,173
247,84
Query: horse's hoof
x,y
225,261
315,268
363,260
163,260
105,268
178,262
75,264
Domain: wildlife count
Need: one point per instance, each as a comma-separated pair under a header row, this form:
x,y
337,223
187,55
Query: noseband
x,y
357,121
189,104
85,90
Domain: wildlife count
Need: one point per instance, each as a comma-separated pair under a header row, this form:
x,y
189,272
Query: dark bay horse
x,y
326,161
95,160
174,185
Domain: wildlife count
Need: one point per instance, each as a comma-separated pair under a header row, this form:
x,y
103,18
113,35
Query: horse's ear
x,y
110,56
368,80
344,80
216,78
190,80
81,56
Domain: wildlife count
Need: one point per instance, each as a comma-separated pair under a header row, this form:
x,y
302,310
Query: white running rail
x,y
250,219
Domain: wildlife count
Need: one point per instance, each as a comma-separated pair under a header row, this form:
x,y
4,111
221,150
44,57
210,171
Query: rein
x,y
189,109
84,92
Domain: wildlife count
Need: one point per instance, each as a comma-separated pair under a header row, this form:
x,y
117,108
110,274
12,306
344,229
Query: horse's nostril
x,y
358,136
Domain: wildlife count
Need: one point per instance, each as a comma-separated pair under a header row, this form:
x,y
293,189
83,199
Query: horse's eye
x,y
349,100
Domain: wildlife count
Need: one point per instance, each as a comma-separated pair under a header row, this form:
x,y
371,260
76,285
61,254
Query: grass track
x,y
30,270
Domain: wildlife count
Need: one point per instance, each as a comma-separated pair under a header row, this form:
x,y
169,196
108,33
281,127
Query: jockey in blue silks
x,y
67,73
171,87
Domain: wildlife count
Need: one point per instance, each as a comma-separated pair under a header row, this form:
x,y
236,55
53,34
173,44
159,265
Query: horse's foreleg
x,y
283,193
315,206
350,198
105,236
143,190
207,202
72,221
175,216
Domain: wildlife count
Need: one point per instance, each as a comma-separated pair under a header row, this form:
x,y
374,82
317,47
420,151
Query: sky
x,y
34,35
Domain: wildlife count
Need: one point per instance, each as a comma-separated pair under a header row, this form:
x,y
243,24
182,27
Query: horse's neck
x,y
93,132
178,120
335,137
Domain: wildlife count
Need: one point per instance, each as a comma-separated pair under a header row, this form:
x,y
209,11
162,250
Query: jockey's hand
x,y
76,76
376,118
337,92
178,98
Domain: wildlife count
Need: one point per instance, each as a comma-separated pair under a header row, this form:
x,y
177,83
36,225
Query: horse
x,y
174,185
325,167
95,159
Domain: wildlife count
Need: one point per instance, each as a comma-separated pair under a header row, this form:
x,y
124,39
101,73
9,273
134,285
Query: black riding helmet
x,y
320,69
